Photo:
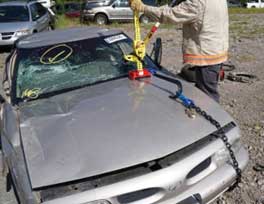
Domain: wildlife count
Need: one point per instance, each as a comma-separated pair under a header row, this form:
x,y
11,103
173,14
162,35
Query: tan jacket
x,y
205,29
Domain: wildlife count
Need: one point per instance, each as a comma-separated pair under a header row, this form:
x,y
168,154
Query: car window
x,y
41,9
150,2
59,67
90,5
14,13
73,7
71,65
37,11
121,3
34,12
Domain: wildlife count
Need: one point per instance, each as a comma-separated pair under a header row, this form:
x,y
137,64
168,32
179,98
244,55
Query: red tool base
x,y
135,74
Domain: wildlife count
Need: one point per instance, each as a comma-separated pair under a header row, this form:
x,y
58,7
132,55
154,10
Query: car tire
x,y
144,19
101,19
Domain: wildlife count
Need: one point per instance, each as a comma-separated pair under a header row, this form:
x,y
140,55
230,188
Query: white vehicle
x,y
255,4
47,3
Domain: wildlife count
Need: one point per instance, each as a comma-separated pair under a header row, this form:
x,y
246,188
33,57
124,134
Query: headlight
x,y
22,32
222,155
99,202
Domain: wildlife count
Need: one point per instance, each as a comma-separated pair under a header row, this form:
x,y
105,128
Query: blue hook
x,y
188,103
152,70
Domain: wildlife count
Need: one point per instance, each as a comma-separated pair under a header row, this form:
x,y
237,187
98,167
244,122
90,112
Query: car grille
x,y
7,35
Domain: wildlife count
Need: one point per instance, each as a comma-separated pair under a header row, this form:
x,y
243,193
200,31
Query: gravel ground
x,y
244,101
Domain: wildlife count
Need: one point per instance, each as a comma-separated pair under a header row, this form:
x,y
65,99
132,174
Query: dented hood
x,y
107,127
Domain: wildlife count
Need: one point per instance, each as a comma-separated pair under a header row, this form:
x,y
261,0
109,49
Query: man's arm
x,y
186,12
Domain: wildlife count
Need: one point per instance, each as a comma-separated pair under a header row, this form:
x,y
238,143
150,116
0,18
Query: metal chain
x,y
224,138
188,103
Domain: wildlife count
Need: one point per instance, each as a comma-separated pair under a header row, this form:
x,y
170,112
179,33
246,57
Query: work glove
x,y
137,5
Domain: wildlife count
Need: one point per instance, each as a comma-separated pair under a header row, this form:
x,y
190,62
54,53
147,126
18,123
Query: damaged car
x,y
76,130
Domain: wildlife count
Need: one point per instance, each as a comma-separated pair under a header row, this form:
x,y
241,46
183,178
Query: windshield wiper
x,y
57,92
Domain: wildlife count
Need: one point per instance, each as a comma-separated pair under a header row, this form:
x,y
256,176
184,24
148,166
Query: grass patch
x,y
246,10
244,28
64,22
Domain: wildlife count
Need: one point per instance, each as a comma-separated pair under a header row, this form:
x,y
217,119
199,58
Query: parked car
x,y
18,19
70,9
255,4
234,4
106,11
76,129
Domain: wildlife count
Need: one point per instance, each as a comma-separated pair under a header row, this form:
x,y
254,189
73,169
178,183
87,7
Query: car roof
x,y
64,36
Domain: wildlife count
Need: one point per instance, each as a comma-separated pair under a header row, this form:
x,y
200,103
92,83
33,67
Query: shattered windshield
x,y
71,65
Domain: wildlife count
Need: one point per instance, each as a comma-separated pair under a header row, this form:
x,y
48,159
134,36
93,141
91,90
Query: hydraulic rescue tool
x,y
139,52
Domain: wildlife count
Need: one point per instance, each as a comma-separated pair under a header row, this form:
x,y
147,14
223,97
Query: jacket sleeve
x,y
185,12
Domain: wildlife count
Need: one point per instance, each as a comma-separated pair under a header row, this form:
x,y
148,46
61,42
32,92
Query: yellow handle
x,y
138,45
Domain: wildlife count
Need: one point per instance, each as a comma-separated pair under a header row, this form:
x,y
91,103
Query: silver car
x,y
104,11
77,130
18,19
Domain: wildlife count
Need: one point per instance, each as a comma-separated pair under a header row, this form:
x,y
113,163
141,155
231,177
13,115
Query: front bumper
x,y
8,42
88,17
169,185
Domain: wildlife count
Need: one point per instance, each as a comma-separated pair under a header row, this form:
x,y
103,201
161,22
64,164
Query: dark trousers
x,y
207,80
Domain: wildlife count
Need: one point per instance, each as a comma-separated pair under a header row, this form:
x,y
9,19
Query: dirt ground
x,y
244,101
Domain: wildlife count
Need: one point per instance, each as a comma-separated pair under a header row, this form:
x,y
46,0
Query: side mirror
x,y
113,5
157,52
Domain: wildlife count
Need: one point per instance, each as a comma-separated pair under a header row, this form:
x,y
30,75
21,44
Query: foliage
x,y
246,10
64,22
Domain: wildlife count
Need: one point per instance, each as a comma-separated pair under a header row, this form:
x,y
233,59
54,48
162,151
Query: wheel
x,y
144,19
101,19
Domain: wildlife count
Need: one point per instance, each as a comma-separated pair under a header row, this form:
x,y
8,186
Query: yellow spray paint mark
x,y
31,93
56,54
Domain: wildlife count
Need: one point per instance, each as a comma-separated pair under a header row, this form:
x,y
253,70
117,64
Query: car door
x,y
40,16
120,10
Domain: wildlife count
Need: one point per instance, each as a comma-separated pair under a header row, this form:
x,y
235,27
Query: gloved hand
x,y
137,5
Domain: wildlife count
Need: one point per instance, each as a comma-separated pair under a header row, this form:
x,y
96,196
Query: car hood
x,y
14,26
107,127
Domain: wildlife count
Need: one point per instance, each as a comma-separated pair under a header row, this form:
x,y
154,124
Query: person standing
x,y
205,36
